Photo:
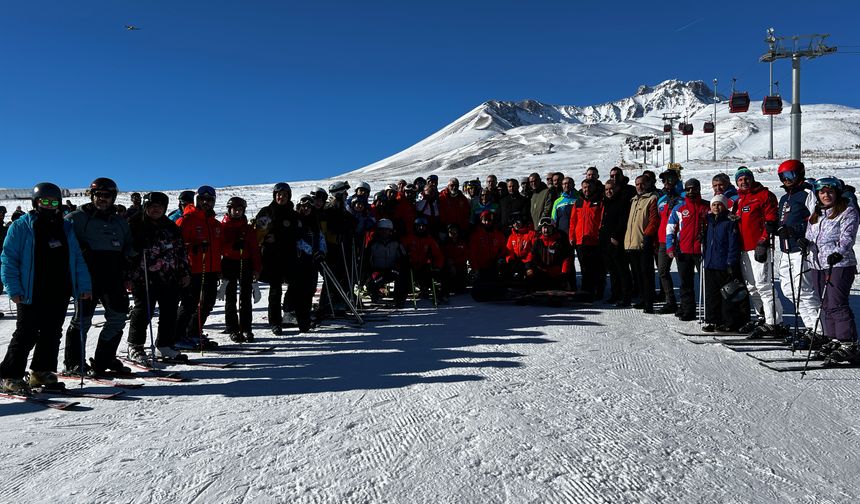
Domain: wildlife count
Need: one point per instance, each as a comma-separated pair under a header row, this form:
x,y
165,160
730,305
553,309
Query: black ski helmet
x,y
158,198
103,184
46,190
281,186
206,191
236,201
186,197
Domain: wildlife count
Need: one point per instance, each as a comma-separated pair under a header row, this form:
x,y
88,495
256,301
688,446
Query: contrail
x,y
689,24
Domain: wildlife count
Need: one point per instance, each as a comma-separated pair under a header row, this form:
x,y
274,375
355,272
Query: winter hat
x,y
719,198
743,170
693,182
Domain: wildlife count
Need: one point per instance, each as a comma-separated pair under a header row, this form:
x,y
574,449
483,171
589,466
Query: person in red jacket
x,y
201,233
425,257
455,271
550,258
405,212
454,207
486,248
519,246
586,215
684,233
241,263
756,210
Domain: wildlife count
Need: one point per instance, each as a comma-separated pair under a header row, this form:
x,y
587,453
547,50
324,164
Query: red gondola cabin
x,y
771,105
739,102
708,127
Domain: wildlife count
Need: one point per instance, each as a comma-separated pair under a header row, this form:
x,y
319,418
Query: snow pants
x,y
593,273
114,299
760,286
196,304
231,269
796,284
303,286
687,265
167,298
642,263
837,317
664,271
40,326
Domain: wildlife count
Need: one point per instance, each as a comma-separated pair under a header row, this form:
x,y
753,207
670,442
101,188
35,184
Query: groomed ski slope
x,y
470,403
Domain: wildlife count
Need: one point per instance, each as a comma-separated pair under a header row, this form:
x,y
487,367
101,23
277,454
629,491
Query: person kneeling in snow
x,y
386,257
550,258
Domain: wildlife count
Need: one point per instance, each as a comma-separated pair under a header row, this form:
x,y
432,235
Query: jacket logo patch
x,y
745,209
685,213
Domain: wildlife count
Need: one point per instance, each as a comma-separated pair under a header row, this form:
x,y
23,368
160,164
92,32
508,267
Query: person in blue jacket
x,y
42,266
722,253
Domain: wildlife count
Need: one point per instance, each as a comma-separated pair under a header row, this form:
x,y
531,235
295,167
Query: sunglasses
x,y
102,195
48,202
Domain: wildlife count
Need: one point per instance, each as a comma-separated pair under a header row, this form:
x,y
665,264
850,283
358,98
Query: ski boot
x,y
15,386
45,379
237,337
137,354
112,366
249,336
751,326
847,353
75,370
168,353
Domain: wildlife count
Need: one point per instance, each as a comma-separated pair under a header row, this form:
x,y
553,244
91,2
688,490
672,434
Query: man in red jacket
x,y
584,234
684,232
756,210
425,256
486,248
201,233
519,246
550,258
454,207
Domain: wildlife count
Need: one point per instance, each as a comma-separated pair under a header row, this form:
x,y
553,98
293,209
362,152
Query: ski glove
x,y
785,232
771,227
803,243
834,258
319,257
255,292
222,291
761,253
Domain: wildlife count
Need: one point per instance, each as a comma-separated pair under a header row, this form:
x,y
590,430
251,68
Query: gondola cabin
x,y
681,126
688,129
667,128
668,141
708,127
739,102
771,105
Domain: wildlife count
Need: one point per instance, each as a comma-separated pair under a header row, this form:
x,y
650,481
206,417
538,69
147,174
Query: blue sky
x,y
241,92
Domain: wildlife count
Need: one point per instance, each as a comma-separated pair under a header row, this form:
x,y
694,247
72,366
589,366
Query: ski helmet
x,y
46,190
338,187
157,198
385,224
237,202
831,182
281,186
307,199
791,170
103,184
363,185
546,221
186,197
206,191
380,197
319,193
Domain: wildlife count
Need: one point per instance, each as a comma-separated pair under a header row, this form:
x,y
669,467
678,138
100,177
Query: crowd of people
x,y
416,237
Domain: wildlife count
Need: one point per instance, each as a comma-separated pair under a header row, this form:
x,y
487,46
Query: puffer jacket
x,y
240,242
423,250
105,240
387,254
722,242
519,246
585,218
755,207
686,226
665,204
201,233
833,235
795,207
18,259
551,255
166,257
454,209
485,247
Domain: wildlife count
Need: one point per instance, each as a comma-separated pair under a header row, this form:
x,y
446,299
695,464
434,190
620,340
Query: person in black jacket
x,y
159,272
276,234
309,252
616,208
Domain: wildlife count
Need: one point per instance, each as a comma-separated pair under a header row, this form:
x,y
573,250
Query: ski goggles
x,y
49,202
828,182
788,176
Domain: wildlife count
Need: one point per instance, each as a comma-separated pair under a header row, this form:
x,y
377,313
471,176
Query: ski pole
x,y
327,271
148,307
817,320
83,334
772,280
794,294
328,292
412,281
200,303
241,290
433,290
